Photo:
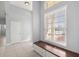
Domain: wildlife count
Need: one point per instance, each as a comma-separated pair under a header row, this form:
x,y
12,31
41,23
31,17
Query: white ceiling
x,y
21,4
16,3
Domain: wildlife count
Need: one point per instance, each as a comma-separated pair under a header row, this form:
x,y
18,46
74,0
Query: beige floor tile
x,y
19,49
2,49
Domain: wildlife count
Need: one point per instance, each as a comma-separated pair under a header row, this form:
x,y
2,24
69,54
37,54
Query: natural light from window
x,y
55,24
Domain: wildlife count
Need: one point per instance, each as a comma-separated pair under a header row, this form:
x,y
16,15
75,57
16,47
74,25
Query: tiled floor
x,y
20,49
2,41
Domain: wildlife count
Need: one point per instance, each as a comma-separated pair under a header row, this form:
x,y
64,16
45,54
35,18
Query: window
x,y
49,4
55,25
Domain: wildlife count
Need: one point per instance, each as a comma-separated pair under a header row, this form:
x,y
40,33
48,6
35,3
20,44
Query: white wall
x,y
36,21
15,31
72,25
14,13
27,29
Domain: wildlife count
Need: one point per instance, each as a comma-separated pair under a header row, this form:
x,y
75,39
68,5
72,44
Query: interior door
x,y
15,31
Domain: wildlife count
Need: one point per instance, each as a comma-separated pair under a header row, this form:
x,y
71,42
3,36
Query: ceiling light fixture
x,y
26,3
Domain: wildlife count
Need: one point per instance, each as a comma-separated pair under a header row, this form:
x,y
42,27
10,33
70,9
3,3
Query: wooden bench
x,y
48,50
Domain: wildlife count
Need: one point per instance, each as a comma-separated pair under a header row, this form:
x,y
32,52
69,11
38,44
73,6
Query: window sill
x,y
57,42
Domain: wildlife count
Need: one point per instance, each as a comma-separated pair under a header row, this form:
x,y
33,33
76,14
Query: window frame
x,y
65,26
